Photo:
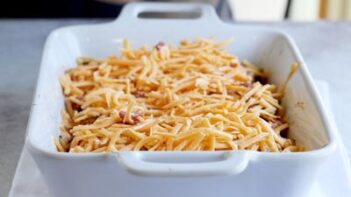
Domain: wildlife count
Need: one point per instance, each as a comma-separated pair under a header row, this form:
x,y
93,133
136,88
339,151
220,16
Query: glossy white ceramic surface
x,y
235,173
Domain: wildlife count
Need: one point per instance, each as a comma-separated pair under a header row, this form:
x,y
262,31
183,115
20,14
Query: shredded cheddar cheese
x,y
194,97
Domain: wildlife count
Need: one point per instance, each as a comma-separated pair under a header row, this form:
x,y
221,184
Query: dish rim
x,y
306,77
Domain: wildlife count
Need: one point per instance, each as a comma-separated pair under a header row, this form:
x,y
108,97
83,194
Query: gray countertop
x,y
326,47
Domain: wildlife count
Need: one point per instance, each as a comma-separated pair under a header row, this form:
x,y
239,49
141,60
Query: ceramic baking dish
x,y
206,174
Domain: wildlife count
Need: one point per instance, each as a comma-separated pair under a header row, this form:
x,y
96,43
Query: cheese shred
x,y
193,97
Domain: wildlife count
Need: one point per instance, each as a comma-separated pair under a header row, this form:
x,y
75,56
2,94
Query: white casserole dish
x,y
132,174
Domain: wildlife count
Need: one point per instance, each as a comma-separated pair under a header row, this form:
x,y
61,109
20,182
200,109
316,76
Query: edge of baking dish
x,y
222,160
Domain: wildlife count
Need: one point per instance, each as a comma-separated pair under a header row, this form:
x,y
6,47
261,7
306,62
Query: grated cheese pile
x,y
194,97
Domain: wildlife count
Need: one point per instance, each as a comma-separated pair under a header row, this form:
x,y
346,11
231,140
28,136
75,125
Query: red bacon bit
x,y
234,65
139,94
122,114
76,107
136,117
159,45
74,77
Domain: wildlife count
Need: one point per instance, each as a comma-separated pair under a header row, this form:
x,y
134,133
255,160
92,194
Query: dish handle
x,y
131,12
183,163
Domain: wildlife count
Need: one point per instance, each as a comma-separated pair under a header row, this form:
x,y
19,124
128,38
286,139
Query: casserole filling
x,y
193,97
